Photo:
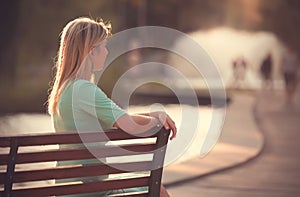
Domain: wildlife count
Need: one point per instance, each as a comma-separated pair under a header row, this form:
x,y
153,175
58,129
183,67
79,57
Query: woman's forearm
x,y
136,123
140,123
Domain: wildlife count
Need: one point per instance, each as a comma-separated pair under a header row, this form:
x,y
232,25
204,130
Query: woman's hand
x,y
166,121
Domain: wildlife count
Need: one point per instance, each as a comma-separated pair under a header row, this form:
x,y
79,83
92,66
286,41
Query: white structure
x,y
226,45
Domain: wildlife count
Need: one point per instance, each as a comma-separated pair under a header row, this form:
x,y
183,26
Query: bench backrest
x,y
40,149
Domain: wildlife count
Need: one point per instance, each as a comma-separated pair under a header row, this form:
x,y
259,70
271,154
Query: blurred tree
x,y
191,15
242,14
283,18
188,15
9,15
41,23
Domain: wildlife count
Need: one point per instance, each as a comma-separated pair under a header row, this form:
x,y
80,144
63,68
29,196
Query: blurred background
x,y
230,30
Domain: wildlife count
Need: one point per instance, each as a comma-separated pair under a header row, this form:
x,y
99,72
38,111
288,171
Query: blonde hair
x,y
78,38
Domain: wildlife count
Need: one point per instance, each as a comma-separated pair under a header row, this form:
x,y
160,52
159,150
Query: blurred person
x,y
289,69
239,69
83,51
266,68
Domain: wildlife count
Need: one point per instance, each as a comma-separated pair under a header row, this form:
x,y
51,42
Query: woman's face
x,y
99,54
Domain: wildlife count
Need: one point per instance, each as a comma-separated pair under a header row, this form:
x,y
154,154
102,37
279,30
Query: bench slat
x,y
82,188
73,138
3,159
4,142
77,171
80,154
133,194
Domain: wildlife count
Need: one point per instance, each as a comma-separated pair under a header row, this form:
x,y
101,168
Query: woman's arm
x,y
93,99
136,123
139,123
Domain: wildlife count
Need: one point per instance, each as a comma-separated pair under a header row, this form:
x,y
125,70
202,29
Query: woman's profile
x,y
76,102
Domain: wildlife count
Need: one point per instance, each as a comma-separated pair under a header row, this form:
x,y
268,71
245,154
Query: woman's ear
x,y
92,53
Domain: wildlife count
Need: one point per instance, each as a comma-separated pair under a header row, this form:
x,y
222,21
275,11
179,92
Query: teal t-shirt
x,y
83,106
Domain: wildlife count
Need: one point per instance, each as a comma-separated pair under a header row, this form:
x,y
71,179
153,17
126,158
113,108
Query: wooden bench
x,y
27,182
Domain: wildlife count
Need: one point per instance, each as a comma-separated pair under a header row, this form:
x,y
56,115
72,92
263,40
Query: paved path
x,y
235,146
276,172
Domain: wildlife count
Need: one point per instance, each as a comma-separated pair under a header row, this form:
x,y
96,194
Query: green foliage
x,y
30,31
283,18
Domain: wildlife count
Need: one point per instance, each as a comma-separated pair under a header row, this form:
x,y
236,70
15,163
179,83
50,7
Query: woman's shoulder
x,y
84,86
82,82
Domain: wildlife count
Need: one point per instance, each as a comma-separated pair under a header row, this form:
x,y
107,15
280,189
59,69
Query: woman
x,y
75,103
289,68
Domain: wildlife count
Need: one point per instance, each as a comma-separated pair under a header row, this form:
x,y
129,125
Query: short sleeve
x,y
95,102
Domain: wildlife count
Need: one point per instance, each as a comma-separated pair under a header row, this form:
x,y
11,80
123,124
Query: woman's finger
x,y
173,128
168,123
